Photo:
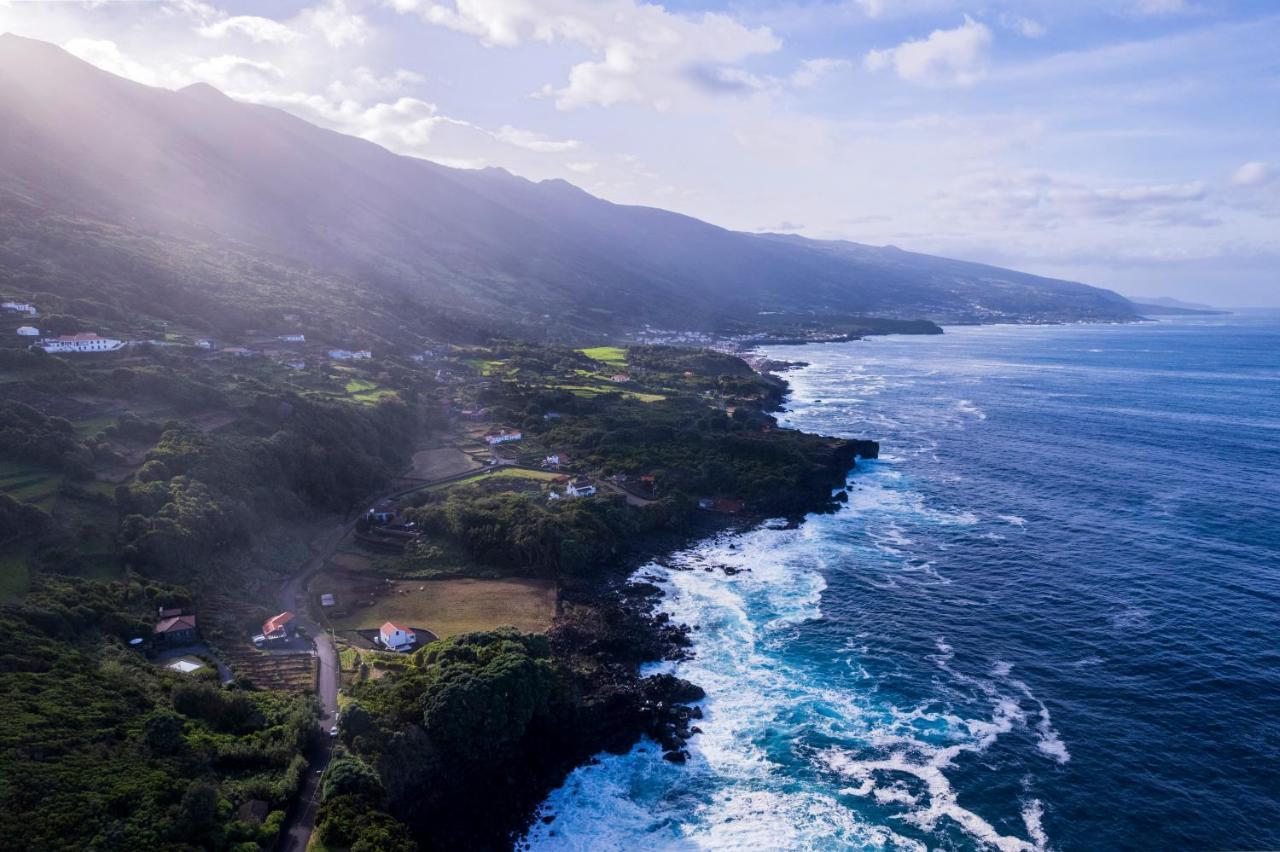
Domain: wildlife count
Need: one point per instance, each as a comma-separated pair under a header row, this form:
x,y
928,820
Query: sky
x,y
1131,144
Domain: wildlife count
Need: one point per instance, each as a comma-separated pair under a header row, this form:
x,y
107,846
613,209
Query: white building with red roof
x,y
395,637
279,627
87,341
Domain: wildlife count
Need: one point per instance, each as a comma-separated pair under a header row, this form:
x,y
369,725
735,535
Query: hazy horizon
x,y
1103,144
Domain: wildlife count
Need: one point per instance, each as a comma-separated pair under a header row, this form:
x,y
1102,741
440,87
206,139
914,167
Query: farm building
x,y
28,331
395,637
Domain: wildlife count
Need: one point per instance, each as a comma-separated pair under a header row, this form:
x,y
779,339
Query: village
x,y
387,587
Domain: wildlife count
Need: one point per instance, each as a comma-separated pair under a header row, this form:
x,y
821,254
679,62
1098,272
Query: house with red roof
x,y
395,637
175,630
279,627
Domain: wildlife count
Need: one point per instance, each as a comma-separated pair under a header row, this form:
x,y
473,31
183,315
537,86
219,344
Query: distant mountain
x,y
1167,306
195,191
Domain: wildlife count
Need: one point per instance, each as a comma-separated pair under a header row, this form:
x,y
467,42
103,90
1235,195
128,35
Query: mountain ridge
x,y
528,257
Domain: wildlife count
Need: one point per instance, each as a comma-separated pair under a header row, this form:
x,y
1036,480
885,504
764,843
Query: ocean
x,y
1048,618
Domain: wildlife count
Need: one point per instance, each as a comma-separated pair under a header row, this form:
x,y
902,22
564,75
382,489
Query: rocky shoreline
x,y
609,629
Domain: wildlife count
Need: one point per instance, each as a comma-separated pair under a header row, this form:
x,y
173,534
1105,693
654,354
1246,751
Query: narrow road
x,y
292,596
296,835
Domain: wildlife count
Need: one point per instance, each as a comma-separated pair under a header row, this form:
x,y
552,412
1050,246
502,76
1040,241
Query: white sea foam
x,y
765,709
1013,520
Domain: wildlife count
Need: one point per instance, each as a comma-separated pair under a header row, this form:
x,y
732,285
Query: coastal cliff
x,y
551,703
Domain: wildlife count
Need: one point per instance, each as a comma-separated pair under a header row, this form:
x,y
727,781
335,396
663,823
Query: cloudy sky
x,y
1133,144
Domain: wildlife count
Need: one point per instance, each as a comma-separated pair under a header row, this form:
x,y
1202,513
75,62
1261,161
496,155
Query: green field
x,y
499,473
30,483
614,356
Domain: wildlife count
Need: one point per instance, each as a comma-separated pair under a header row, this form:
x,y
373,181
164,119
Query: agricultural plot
x,y
614,356
277,672
228,621
30,483
440,462
445,607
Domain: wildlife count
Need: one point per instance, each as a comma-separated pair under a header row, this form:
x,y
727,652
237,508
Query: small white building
x,y
20,308
396,638
349,355
28,331
555,460
327,600
502,436
204,343
293,338
83,342
580,487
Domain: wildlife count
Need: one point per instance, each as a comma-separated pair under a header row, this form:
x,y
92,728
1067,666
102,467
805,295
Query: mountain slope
x,y
197,167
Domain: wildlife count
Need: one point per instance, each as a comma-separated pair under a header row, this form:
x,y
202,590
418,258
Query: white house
x,y
28,331
396,638
580,487
502,436
83,342
555,460
293,338
204,343
19,307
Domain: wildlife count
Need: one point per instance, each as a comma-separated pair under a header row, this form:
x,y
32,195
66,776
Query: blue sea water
x,y
1049,617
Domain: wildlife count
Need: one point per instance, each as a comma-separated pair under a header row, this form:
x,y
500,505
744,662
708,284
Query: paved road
x,y
292,596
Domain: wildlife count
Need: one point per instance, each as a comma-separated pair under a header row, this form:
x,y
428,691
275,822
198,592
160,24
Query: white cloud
x,y
531,141
235,72
1023,26
107,55
642,52
253,27
1252,174
813,70
871,8
946,57
337,24
582,168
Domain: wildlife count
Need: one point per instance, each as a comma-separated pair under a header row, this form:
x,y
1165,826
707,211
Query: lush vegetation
x,y
100,749
468,721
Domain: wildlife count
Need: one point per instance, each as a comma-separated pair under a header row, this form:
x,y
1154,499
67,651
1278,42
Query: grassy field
x,y
614,356
589,391
445,607
442,461
498,473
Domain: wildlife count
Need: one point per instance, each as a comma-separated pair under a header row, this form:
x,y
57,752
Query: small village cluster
x,y
282,347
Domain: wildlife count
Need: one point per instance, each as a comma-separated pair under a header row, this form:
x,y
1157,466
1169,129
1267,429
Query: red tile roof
x,y
176,623
392,628
271,625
